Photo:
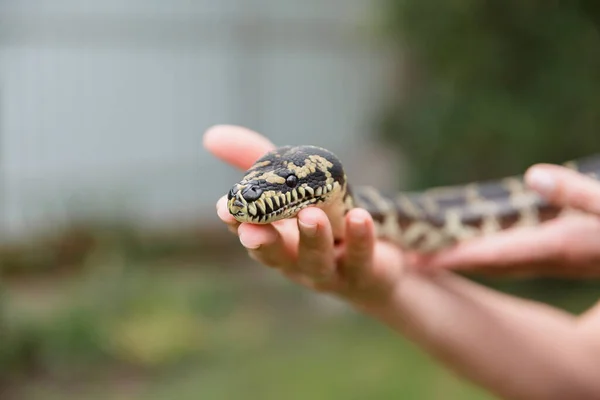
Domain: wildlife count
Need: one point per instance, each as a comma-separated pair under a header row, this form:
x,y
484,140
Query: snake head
x,y
284,181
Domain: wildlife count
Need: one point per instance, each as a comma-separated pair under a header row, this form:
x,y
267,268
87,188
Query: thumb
x,y
236,145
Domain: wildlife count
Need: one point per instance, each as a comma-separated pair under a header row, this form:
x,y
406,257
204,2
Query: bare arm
x,y
515,348
520,349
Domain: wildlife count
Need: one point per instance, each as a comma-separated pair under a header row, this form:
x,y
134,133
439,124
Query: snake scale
x,y
290,178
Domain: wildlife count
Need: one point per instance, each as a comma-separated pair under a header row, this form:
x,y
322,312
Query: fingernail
x,y
308,229
358,225
247,243
542,181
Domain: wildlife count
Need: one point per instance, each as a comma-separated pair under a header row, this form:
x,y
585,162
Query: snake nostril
x,y
251,193
231,193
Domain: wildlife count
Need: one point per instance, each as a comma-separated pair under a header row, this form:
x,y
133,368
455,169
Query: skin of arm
x,y
515,348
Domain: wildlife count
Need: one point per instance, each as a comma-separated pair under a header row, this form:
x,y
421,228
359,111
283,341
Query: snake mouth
x,y
273,206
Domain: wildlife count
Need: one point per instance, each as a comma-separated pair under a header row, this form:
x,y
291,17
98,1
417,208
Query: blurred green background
x,y
101,309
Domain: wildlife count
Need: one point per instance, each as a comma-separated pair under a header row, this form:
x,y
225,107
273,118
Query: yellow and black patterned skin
x,y
291,178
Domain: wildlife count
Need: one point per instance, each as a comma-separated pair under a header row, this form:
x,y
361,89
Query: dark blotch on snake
x,y
251,193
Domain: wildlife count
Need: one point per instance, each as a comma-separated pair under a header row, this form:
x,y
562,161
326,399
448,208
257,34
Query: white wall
x,y
102,104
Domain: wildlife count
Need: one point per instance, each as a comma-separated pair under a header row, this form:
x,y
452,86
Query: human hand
x,y
498,338
568,246
361,269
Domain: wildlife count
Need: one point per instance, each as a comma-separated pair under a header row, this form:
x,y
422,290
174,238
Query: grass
x,y
346,361
343,360
139,332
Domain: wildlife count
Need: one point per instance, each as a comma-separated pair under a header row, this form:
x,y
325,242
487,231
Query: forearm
x,y
537,350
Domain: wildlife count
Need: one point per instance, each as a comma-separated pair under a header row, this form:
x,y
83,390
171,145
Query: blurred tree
x,y
493,86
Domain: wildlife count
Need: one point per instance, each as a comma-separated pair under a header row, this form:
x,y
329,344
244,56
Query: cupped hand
x,y
361,269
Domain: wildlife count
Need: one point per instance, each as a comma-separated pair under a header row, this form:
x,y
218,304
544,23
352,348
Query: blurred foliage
x,y
490,88
126,330
493,86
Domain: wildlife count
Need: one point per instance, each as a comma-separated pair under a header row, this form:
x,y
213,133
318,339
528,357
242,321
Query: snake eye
x,y
291,181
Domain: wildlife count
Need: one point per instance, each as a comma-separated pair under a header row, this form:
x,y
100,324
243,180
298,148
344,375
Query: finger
x,y
522,245
370,268
315,251
554,241
226,216
236,145
359,246
269,246
565,187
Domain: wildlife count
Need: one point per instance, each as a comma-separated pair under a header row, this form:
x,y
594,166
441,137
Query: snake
x,y
290,178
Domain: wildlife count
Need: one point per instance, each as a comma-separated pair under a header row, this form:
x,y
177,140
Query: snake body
x,y
291,178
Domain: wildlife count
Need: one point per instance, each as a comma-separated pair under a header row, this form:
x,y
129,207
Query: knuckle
x,y
311,242
356,257
318,266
